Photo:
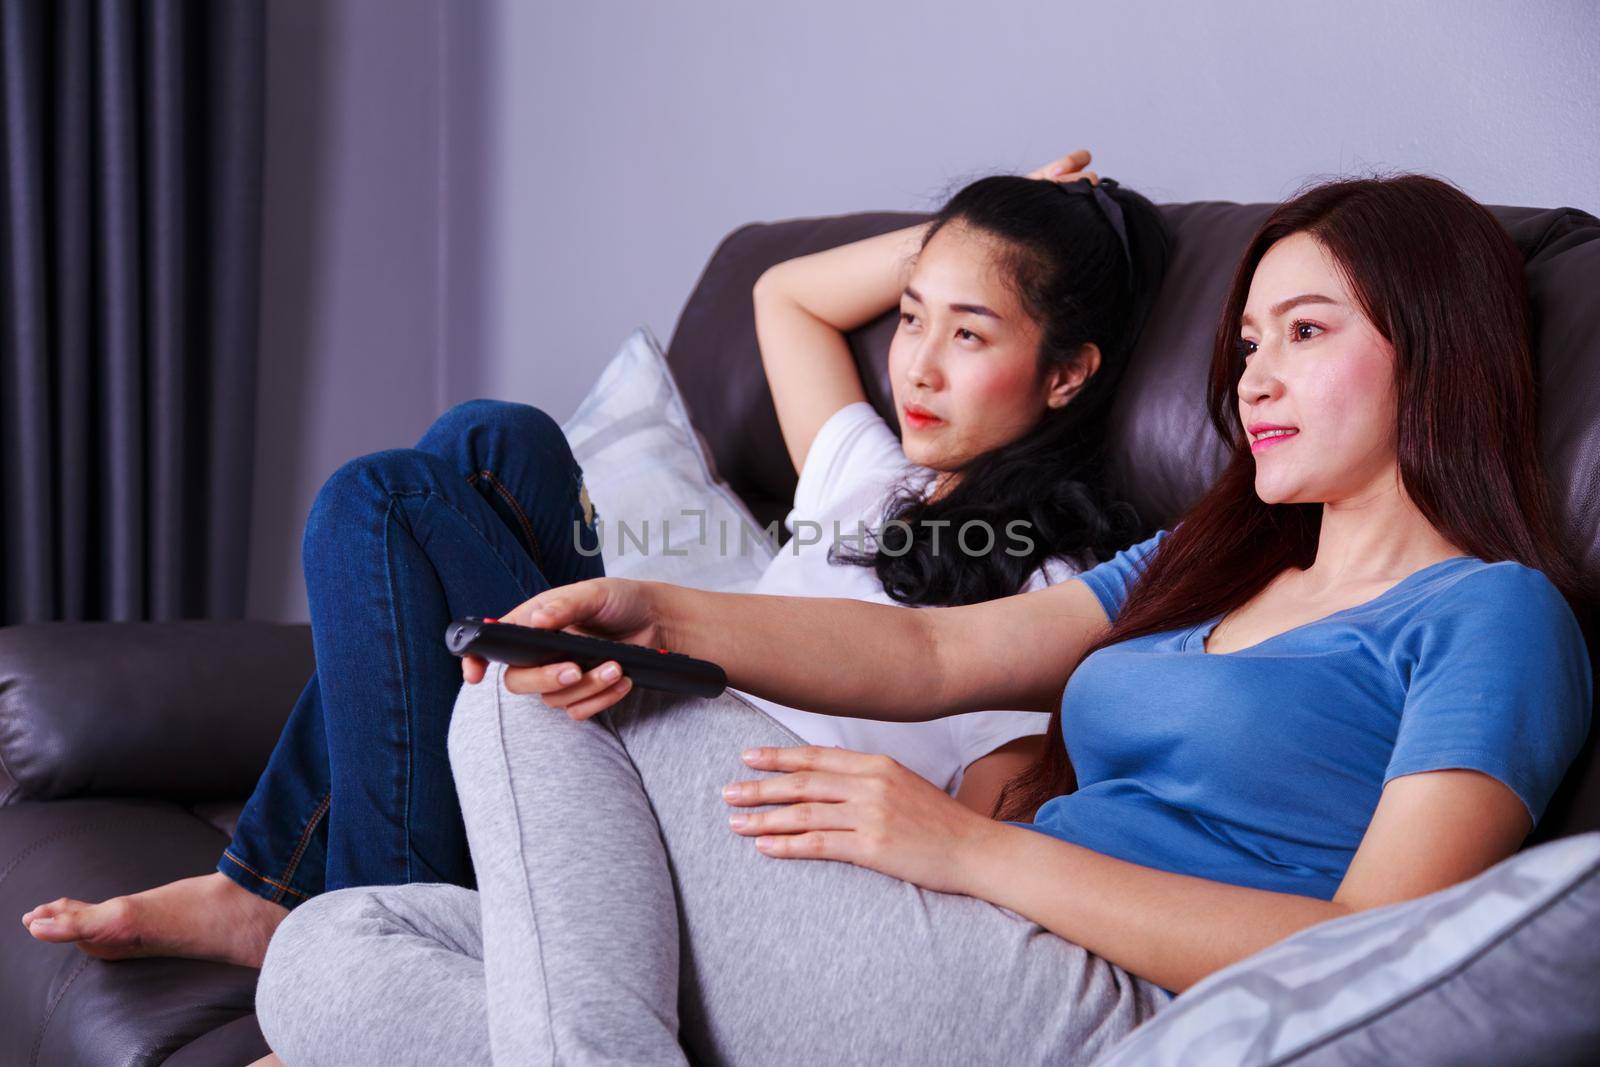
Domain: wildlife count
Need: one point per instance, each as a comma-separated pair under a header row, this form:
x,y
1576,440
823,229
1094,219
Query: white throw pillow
x,y
661,511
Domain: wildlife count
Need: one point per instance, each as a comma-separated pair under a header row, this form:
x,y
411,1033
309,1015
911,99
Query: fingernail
x,y
749,755
39,922
570,675
732,790
610,671
737,820
763,843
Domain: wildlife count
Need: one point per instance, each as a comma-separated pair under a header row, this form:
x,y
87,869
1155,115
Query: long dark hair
x,y
1443,282
1061,254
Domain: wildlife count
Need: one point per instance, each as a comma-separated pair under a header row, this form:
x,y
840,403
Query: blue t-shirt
x,y
1262,767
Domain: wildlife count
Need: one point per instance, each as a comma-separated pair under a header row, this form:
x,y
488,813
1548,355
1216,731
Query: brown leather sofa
x,y
126,749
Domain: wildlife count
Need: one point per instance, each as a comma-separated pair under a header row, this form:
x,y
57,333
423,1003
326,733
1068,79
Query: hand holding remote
x,y
617,609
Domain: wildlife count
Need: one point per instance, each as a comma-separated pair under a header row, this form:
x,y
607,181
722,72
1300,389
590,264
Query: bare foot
x,y
210,917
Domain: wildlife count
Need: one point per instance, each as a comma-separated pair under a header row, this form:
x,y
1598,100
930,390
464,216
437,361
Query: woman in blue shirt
x,y
1348,677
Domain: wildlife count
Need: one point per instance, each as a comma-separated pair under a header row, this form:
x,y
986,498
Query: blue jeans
x,y
487,511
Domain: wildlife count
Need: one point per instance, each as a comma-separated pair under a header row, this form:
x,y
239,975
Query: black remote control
x,y
530,646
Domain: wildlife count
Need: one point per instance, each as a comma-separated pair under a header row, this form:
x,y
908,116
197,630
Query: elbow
x,y
766,285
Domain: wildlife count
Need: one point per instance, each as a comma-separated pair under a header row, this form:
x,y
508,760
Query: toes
x,y
45,910
74,920
53,910
54,928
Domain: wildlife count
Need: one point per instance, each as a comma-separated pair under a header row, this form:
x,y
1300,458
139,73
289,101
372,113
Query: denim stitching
x,y
405,691
522,517
389,523
511,571
531,545
300,849
251,870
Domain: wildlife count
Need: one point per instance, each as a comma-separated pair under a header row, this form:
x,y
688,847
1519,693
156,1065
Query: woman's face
x,y
967,354
1315,366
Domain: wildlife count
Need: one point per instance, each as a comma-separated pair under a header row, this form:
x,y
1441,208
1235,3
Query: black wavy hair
x,y
1059,251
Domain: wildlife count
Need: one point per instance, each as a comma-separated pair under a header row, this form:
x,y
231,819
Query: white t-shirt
x,y
854,463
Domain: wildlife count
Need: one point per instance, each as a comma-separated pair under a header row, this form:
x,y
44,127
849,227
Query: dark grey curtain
x,y
131,245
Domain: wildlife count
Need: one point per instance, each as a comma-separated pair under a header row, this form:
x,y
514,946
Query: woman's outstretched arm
x,y
830,655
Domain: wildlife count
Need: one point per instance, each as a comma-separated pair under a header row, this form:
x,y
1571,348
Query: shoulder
x,y
1471,595
854,447
1497,677
855,430
1134,556
1473,620
858,416
1113,579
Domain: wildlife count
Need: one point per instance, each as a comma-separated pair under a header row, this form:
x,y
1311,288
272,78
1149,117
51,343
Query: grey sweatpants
x,y
619,920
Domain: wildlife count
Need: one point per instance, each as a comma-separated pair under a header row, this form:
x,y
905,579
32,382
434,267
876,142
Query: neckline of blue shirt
x,y
1196,638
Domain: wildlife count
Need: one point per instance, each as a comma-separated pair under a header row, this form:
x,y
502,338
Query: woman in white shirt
x,y
1022,300
1018,307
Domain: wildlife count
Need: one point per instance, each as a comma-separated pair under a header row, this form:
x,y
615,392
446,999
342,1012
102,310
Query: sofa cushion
x,y
1162,453
1502,968
1162,448
187,709
61,1006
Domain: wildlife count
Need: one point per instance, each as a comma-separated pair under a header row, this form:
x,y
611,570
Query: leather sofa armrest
x,y
185,710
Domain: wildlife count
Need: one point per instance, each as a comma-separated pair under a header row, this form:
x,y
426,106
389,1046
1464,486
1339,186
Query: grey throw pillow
x,y
1501,969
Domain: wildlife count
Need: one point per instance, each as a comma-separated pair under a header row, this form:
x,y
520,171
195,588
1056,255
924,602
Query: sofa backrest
x,y
1163,453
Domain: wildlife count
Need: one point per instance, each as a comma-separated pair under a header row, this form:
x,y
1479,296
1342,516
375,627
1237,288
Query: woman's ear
x,y
1066,380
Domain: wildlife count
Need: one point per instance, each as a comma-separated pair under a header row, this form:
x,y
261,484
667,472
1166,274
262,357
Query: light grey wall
x,y
373,142
492,193
628,145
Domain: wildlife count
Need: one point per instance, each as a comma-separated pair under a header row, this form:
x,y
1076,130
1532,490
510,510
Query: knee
x,y
276,983
485,713
473,734
363,486
301,969
524,423
383,472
